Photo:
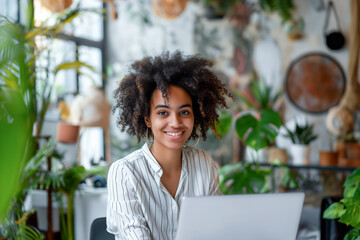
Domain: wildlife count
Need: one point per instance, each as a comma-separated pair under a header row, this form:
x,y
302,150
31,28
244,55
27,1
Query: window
x,y
83,40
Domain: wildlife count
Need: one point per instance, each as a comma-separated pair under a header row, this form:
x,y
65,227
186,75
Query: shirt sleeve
x,y
214,178
125,218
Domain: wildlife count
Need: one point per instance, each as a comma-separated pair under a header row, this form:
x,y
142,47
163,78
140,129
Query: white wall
x,y
129,39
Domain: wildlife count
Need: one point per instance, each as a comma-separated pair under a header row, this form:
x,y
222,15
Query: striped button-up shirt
x,y
140,207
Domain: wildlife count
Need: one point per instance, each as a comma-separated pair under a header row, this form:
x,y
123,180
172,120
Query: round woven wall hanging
x,y
56,5
315,82
168,9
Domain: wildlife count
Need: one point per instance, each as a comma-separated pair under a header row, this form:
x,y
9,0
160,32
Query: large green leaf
x,y
224,124
242,178
352,184
15,133
334,211
353,234
352,214
260,133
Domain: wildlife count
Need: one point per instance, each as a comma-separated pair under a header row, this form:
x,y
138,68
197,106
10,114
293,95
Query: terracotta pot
x,y
328,158
66,132
345,162
341,149
353,151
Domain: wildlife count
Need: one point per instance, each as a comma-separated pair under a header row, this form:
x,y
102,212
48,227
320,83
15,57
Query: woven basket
x,y
168,9
56,5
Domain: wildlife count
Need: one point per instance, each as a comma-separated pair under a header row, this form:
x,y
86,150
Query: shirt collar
x,y
156,166
151,160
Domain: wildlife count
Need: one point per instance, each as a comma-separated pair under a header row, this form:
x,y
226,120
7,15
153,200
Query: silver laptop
x,y
248,217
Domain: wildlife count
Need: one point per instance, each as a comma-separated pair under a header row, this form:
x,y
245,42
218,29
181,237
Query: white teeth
x,y
174,134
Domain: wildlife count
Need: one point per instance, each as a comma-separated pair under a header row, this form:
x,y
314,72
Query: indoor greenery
x,y
70,178
258,95
260,126
302,134
17,111
23,104
283,7
258,130
14,226
347,210
244,177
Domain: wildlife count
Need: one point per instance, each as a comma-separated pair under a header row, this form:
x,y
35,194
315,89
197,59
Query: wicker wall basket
x,y
56,5
168,9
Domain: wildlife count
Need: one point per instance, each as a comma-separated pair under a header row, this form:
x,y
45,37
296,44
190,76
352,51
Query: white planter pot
x,y
299,154
253,156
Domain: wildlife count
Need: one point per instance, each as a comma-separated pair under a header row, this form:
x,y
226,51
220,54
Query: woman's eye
x,y
184,113
162,113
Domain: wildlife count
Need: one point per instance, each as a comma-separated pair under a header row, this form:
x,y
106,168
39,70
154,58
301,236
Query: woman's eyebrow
x,y
185,105
162,106
166,106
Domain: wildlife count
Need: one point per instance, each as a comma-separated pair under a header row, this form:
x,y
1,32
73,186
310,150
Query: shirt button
x,y
174,209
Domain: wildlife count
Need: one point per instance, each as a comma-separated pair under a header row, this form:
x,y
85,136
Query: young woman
x,y
168,99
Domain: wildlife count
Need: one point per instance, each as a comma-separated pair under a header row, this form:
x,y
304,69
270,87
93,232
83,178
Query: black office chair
x,y
98,230
331,229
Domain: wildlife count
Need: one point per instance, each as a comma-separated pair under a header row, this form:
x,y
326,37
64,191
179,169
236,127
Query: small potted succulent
x,y
301,137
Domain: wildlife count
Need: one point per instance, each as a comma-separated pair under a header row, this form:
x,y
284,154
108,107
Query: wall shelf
x,y
312,166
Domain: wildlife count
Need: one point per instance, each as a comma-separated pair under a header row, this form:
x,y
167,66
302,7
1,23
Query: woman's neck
x,y
169,160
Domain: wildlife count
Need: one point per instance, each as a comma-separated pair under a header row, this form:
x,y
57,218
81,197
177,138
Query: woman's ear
x,y
147,122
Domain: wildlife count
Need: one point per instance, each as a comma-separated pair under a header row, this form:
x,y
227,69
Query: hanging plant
x,y
283,7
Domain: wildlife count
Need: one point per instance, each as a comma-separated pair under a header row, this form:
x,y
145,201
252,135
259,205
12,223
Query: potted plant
x,y
300,137
349,150
257,97
329,157
258,130
245,177
347,209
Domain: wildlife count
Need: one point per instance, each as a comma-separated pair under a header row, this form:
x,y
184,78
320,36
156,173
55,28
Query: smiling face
x,y
171,121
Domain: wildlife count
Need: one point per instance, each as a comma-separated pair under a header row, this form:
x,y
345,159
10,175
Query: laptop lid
x,y
247,216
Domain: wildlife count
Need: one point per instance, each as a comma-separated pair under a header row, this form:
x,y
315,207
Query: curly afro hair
x,y
192,73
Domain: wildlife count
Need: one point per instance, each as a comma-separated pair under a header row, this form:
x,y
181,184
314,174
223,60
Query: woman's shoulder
x,y
128,161
197,151
198,155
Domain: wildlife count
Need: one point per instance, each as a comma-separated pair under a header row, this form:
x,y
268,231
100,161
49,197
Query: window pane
x,y
92,57
9,8
51,54
87,25
91,146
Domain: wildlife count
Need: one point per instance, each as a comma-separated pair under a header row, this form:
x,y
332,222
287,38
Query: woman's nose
x,y
175,120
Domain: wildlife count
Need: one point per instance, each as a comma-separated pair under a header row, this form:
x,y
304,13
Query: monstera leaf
x,y
258,132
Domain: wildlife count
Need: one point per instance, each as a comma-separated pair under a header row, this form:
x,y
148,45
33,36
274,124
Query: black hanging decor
x,y
335,40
